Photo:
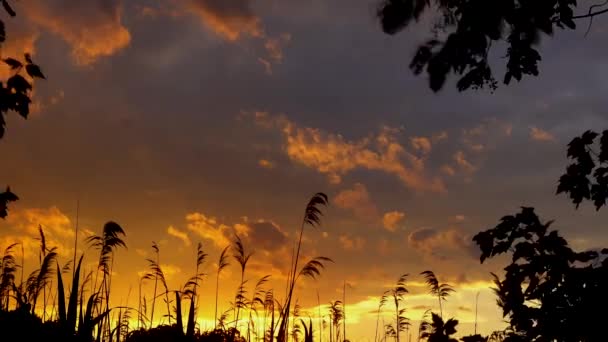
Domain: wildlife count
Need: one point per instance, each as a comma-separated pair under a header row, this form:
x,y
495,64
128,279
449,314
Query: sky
x,y
188,121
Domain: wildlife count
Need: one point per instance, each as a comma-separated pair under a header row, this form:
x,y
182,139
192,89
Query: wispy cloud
x,y
183,236
93,28
351,243
440,244
541,135
335,156
265,163
229,19
392,219
358,200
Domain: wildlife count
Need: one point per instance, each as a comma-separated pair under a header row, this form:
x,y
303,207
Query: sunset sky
x,y
186,121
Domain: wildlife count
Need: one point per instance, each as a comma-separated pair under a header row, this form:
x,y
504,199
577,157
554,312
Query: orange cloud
x,y
384,247
274,46
263,234
540,135
52,220
234,20
93,28
441,244
351,243
267,239
335,156
358,200
183,236
421,144
459,218
448,170
21,40
464,164
229,19
208,228
267,164
439,136
486,134
169,271
392,219
57,228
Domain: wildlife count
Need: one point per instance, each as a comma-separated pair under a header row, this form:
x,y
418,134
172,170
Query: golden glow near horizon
x,y
362,296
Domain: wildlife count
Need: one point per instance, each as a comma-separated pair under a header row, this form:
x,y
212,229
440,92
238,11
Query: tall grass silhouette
x,y
44,306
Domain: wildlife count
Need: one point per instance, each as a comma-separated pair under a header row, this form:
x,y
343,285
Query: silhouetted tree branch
x,y
590,15
15,95
463,33
547,286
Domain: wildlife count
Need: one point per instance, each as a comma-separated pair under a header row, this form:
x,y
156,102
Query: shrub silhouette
x,y
548,286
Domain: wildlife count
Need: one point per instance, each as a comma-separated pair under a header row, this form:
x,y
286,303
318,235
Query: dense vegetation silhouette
x,y
38,307
15,95
549,291
465,33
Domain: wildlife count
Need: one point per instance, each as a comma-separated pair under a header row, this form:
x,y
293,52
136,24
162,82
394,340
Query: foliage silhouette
x,y
437,330
587,177
15,95
96,320
242,258
336,314
442,291
548,286
464,33
223,263
396,295
312,217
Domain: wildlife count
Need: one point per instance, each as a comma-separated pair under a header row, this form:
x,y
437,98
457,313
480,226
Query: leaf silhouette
x,y
13,63
34,71
8,8
6,197
312,214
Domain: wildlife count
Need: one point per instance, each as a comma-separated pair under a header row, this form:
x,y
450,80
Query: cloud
x,y
335,156
392,219
93,28
421,144
351,243
57,228
52,220
385,247
21,40
358,200
275,46
229,19
180,235
208,228
448,170
263,237
538,134
267,164
169,271
234,20
263,234
141,252
486,135
441,244
463,163
437,137
458,218
464,309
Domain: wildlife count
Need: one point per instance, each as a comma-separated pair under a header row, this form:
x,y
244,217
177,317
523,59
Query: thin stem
x,y
590,14
217,285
